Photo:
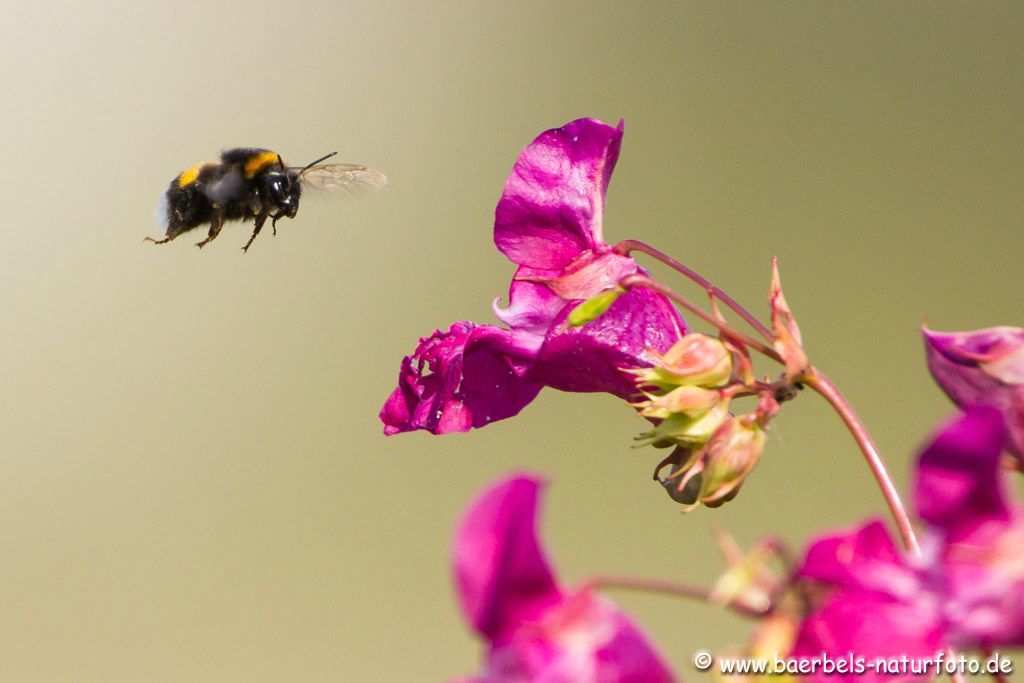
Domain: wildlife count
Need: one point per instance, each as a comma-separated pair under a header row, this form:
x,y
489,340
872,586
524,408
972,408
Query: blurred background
x,y
193,480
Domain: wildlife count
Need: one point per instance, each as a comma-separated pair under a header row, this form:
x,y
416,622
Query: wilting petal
x,y
553,202
958,477
589,275
638,326
983,366
788,341
466,377
537,631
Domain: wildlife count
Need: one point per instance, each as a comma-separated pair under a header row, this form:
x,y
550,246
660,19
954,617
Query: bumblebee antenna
x,y
314,163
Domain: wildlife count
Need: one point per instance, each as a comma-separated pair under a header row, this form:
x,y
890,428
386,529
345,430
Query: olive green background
x,y
193,481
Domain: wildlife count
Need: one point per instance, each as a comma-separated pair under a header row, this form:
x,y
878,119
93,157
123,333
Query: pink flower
x,y
549,223
536,629
877,605
983,366
967,590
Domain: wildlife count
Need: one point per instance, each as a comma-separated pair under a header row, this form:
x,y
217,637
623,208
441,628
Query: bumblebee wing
x,y
348,179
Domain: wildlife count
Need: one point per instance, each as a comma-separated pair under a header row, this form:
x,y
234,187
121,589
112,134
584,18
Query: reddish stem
x,y
627,246
997,675
631,281
824,386
674,588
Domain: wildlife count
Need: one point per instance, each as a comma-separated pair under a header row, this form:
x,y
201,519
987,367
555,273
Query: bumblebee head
x,y
283,190
283,185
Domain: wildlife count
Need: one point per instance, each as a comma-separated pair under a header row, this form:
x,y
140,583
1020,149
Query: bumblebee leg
x,y
273,223
216,223
261,218
172,232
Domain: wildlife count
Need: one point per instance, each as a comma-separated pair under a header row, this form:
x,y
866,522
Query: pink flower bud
x,y
729,457
695,360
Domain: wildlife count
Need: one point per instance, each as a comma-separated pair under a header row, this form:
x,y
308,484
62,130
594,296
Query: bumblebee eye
x,y
277,189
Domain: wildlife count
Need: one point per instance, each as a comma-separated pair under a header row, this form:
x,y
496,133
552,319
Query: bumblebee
x,y
251,184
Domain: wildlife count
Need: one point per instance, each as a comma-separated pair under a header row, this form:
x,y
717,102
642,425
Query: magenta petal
x,y
865,556
870,625
537,631
584,638
501,573
629,658
466,377
958,478
985,582
983,366
553,202
592,358
531,306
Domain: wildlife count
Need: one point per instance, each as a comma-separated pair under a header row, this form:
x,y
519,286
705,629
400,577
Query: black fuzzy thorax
x,y
225,188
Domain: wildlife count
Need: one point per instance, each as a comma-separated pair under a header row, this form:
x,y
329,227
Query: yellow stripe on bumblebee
x,y
259,162
189,175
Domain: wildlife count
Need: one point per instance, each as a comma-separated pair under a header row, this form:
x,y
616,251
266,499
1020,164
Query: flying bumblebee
x,y
252,184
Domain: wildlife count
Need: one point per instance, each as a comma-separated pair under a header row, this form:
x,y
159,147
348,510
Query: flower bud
x,y
730,455
788,342
694,360
687,400
688,431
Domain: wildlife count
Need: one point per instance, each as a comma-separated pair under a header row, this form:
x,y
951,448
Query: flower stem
x,y
631,281
998,675
824,386
674,588
626,246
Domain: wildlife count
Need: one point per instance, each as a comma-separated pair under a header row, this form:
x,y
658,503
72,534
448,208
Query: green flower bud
x,y
593,308
687,400
686,430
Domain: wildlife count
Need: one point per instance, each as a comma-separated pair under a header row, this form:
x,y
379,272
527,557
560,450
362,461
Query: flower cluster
x,y
965,591
583,316
688,394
